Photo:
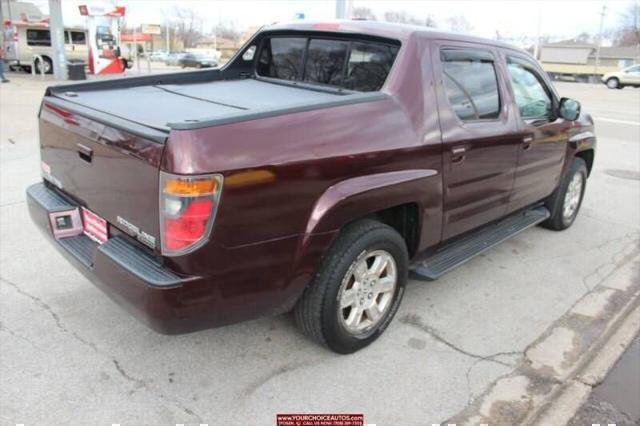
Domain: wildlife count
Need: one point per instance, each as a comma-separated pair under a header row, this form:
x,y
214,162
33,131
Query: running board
x,y
458,252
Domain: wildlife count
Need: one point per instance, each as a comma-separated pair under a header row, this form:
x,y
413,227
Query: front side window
x,y
471,85
531,97
38,38
281,57
325,61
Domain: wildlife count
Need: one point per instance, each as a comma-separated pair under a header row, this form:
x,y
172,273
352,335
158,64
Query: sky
x,y
512,18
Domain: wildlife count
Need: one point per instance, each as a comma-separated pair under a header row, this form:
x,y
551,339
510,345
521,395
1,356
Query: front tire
x,y
613,83
566,200
357,289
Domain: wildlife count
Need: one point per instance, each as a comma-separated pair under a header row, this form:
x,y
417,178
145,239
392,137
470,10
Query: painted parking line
x,y
615,120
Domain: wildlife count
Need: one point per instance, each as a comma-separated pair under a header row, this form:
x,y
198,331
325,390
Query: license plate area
x,y
94,227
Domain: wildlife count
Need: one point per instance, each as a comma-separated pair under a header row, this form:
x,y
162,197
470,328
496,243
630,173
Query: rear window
x,y
38,38
354,65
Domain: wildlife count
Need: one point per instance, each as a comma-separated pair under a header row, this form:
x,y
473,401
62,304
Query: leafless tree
x,y
226,29
629,30
187,26
459,24
363,13
406,18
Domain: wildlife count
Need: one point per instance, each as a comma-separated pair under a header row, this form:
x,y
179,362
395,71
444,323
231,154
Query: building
x,y
578,60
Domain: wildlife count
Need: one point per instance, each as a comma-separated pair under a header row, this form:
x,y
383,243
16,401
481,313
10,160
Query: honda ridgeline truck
x,y
317,170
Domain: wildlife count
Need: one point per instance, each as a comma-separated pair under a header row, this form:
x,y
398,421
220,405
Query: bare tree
x,y
187,26
226,29
629,30
459,24
363,13
406,18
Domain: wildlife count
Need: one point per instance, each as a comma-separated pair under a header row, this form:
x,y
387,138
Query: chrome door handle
x,y
458,154
526,142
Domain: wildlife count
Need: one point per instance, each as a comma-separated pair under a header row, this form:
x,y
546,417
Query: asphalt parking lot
x,y
68,355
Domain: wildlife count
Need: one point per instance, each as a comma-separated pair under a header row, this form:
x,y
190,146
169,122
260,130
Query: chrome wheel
x,y
572,197
367,291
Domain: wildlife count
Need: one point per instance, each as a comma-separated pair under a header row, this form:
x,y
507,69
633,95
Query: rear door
x,y
543,143
479,133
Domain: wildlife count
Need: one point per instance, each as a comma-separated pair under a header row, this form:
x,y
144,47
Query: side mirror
x,y
569,109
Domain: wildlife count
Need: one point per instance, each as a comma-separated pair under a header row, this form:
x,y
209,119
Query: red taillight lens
x,y
188,206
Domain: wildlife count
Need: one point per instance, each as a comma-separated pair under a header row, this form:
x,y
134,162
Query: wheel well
x,y
587,155
406,220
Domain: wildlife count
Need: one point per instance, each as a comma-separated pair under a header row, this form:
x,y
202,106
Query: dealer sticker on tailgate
x,y
94,226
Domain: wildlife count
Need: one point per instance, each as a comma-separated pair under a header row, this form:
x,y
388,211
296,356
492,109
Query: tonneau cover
x,y
157,105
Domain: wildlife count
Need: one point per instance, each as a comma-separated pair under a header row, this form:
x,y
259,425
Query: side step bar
x,y
458,252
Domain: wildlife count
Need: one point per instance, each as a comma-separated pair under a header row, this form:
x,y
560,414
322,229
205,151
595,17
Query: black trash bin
x,y
75,70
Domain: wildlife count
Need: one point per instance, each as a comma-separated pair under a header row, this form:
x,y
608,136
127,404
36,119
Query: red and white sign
x,y
94,226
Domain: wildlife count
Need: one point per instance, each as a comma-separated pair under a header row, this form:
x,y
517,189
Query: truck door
x,y
543,146
479,134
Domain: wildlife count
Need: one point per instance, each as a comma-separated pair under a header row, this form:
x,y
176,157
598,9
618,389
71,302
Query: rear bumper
x,y
122,270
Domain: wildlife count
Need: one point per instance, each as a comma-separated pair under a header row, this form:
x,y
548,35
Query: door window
x,y
78,37
471,84
66,37
532,98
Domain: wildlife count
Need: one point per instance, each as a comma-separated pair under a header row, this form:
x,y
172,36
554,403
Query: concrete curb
x,y
560,368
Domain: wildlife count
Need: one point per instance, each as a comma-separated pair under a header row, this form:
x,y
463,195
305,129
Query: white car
x,y
629,76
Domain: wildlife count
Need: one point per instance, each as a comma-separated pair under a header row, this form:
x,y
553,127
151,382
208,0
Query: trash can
x,y
75,70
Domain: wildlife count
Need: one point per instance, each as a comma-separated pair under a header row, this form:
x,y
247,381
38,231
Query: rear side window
x,y
38,38
281,57
354,65
471,84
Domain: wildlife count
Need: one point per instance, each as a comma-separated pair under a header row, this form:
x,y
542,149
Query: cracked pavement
x,y
69,354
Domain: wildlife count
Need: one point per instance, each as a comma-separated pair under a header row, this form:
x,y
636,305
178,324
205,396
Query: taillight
x,y
188,206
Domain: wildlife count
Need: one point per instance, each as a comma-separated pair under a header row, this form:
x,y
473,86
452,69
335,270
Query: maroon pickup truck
x,y
317,170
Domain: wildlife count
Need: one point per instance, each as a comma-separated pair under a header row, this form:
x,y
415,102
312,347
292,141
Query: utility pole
x,y
602,14
344,9
56,28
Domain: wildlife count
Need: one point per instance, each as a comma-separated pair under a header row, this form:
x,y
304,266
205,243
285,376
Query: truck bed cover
x,y
167,106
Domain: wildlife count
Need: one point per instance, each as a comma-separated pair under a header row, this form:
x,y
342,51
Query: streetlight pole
x,y
56,28
602,14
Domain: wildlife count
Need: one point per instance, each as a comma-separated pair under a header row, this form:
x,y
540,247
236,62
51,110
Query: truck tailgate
x,y
111,171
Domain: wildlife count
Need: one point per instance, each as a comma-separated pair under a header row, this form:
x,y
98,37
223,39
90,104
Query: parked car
x,y
313,172
158,56
197,60
24,42
629,76
174,58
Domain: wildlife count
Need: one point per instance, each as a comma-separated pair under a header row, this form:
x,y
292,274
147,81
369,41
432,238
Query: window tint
x,y
532,99
471,85
325,61
38,38
78,37
281,57
368,66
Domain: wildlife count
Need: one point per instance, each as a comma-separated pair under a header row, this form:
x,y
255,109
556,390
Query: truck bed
x,y
166,106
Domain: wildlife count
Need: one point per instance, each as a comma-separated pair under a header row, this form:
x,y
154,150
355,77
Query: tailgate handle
x,y
85,152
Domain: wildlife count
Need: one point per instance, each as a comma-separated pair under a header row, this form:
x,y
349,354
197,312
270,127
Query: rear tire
x,y
348,305
564,203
